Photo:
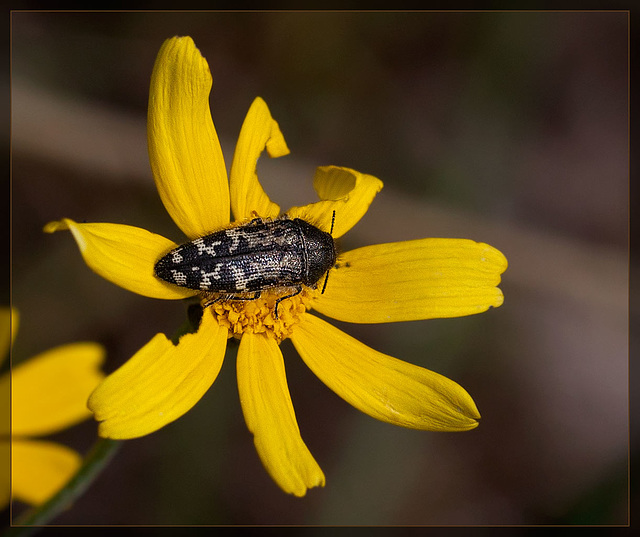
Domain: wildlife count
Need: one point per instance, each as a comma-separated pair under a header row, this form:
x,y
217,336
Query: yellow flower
x,y
402,281
48,393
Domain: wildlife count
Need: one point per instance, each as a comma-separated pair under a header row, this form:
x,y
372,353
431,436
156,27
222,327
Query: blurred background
x,y
509,128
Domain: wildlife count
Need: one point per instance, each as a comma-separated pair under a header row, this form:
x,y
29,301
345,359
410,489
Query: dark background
x,y
505,127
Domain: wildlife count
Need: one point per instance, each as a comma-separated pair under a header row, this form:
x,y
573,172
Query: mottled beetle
x,y
255,257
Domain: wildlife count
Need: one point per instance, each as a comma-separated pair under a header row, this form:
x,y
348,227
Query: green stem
x,y
97,458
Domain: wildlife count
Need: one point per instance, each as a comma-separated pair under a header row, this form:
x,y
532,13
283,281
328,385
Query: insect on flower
x,y
242,271
240,262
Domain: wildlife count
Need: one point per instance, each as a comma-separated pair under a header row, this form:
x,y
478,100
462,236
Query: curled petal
x,y
259,131
184,151
124,255
383,387
39,469
411,280
159,383
343,190
268,412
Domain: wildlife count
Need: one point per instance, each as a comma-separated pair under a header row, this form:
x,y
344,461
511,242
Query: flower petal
x,y
383,387
39,469
49,392
124,255
268,412
9,320
5,472
343,190
420,279
259,131
160,383
184,150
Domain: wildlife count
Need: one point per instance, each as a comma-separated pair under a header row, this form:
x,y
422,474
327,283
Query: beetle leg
x,y
298,291
236,297
230,297
211,302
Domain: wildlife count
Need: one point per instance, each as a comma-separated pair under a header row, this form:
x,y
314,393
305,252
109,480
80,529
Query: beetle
x,y
258,256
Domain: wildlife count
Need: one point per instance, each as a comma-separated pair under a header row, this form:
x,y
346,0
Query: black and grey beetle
x,y
255,257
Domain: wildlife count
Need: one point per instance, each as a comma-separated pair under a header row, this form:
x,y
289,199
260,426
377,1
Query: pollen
x,y
258,315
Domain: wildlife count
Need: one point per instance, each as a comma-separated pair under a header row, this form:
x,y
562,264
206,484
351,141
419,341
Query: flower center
x,y
258,315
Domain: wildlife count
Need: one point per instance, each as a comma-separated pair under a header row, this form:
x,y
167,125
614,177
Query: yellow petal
x,y
259,131
184,150
420,279
343,190
9,319
124,255
15,322
6,315
383,387
269,415
49,392
5,473
40,469
160,383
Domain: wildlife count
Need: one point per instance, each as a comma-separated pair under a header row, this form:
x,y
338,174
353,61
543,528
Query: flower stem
x,y
94,462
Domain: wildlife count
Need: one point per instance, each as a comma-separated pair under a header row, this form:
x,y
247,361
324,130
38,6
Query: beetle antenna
x,y
333,221
324,286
